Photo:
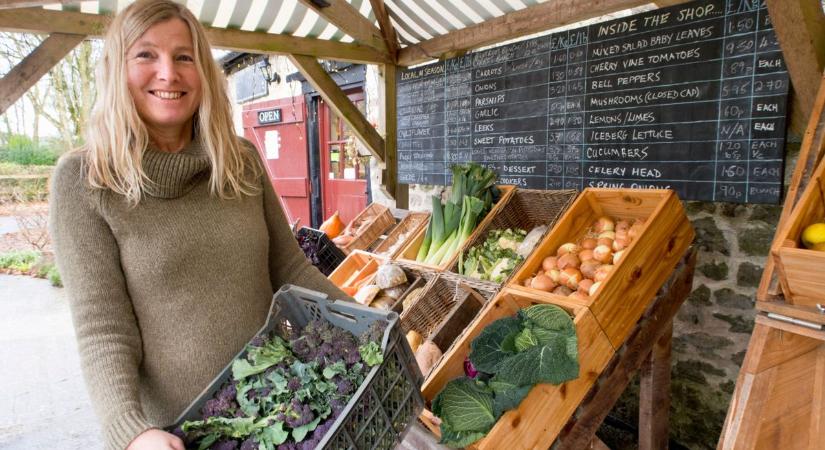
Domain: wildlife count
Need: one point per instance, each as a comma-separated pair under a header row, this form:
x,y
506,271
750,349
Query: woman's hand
x,y
154,439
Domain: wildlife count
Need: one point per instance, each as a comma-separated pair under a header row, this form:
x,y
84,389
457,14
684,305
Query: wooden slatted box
x,y
541,415
646,263
410,251
400,235
525,209
801,270
357,269
375,219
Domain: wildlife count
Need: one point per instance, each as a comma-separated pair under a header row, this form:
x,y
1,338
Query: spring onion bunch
x,y
473,194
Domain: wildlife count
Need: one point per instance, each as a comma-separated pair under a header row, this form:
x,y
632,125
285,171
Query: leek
x,y
437,224
425,246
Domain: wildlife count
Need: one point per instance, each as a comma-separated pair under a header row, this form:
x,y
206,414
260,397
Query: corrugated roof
x,y
414,20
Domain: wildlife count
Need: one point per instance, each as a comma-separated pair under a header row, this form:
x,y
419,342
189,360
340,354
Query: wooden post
x,y
24,75
654,394
399,192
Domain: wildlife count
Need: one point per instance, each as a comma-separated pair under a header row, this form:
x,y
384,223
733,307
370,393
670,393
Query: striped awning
x,y
414,20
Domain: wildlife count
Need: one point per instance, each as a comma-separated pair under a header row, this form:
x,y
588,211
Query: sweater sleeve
x,y
108,338
287,262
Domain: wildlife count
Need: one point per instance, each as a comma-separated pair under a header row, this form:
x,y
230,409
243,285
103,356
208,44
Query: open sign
x,y
269,116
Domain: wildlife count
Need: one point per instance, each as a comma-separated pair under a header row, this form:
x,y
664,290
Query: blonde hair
x,y
116,136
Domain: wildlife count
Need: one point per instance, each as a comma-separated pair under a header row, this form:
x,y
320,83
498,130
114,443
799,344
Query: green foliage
x,y
23,150
54,276
22,260
371,353
495,258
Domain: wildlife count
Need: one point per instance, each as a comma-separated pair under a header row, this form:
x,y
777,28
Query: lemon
x,y
813,236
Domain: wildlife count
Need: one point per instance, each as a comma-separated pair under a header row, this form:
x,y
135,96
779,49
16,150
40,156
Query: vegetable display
x,y
509,357
495,258
473,194
286,395
578,269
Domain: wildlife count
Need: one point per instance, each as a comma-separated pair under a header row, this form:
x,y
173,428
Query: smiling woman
x,y
167,232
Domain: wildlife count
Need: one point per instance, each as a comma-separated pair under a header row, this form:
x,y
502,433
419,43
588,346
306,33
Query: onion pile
x,y
578,269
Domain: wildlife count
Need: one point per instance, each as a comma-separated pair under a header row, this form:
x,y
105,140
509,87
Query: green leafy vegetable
x,y
495,258
512,354
489,349
371,354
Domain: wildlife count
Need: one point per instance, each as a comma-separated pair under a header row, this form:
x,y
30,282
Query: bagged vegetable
x,y
389,276
530,241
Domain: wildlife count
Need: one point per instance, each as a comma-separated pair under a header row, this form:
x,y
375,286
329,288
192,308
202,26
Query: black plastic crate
x,y
327,257
384,405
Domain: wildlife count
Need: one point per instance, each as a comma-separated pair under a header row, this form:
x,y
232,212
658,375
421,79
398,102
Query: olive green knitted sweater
x,y
164,294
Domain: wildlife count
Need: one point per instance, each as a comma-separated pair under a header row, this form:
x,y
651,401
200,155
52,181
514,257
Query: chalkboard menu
x,y
691,97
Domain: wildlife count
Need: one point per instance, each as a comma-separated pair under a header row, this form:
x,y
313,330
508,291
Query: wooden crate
x,y
401,234
541,415
410,251
356,267
376,219
801,270
525,209
646,262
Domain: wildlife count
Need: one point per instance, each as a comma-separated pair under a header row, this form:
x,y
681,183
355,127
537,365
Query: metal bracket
x,y
803,323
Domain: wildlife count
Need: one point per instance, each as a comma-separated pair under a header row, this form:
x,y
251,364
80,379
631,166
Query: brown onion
x,y
594,288
543,283
570,277
585,255
607,234
569,260
620,244
622,225
549,263
602,254
605,241
602,272
554,275
566,248
604,224
617,257
584,285
588,268
589,243
527,282
635,231
562,290
578,295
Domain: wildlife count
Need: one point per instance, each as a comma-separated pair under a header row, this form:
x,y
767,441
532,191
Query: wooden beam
x,y
540,17
390,38
9,4
800,28
38,20
25,74
338,101
350,21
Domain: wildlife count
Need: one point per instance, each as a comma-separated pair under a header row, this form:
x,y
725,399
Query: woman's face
x,y
163,79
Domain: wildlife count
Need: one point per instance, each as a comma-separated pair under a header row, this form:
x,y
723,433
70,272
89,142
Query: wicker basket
x,y
400,235
449,303
379,219
525,209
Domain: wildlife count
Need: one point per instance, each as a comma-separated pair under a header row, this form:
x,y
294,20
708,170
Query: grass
x,y
30,262
13,169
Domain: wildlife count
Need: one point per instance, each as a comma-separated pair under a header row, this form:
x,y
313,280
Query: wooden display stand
x,y
580,408
779,401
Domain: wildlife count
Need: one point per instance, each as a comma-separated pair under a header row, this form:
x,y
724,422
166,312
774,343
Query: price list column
x,y
733,129
458,113
575,110
556,117
768,111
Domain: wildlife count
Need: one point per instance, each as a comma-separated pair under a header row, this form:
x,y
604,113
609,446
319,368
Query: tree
x,y
64,97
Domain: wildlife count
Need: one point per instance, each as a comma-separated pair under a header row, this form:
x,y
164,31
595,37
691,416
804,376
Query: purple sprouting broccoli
x,y
322,428
343,385
227,392
249,444
375,333
289,446
217,407
225,444
298,414
309,444
258,341
294,384
337,405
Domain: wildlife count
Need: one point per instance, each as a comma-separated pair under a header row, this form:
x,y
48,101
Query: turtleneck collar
x,y
174,174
